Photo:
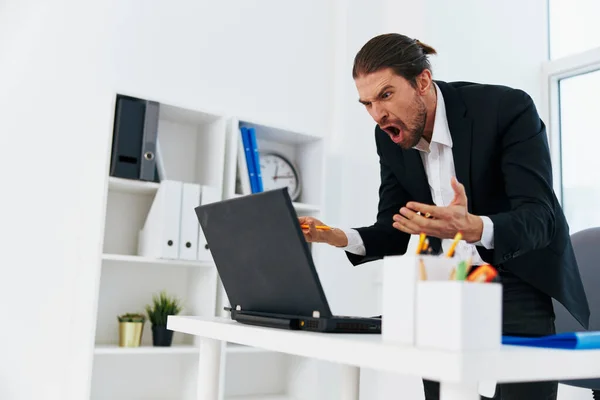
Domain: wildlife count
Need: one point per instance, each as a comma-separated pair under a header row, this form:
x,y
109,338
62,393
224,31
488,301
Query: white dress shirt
x,y
438,162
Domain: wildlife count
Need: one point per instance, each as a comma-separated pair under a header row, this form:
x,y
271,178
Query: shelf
x,y
119,259
122,185
299,207
305,208
282,135
261,397
113,349
182,115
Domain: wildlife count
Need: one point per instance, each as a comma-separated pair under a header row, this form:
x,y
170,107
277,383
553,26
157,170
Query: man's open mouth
x,y
394,132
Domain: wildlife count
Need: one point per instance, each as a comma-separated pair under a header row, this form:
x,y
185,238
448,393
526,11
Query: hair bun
x,y
426,48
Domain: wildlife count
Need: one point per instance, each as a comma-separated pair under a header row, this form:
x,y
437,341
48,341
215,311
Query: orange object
x,y
484,273
320,227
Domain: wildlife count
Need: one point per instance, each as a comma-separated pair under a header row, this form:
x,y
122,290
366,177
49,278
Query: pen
x,y
319,227
454,244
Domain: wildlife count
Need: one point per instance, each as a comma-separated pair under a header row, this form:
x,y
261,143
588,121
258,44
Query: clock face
x,y
277,173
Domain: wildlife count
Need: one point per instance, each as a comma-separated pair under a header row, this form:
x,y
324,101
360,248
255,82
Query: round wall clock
x,y
278,172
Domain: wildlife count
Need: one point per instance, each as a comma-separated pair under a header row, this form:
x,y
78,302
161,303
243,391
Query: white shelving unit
x,y
145,350
193,150
261,397
199,147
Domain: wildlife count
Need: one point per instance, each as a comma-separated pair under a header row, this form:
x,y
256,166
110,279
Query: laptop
x,y
266,266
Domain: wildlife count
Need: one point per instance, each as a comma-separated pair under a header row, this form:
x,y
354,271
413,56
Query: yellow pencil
x,y
421,242
422,271
319,227
457,239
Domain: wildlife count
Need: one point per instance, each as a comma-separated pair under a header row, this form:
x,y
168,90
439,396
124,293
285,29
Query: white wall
x,y
49,61
61,64
493,42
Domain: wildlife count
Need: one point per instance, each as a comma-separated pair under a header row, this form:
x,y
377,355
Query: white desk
x,y
458,372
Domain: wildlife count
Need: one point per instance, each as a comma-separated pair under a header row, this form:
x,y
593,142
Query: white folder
x,y
209,195
159,237
188,239
242,166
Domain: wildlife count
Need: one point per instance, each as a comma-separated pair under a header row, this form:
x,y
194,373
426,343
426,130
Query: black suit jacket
x,y
501,156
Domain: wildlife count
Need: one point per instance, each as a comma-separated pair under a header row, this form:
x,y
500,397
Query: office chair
x,y
586,244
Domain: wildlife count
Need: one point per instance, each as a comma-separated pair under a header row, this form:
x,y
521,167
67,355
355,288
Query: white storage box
x,y
422,306
458,315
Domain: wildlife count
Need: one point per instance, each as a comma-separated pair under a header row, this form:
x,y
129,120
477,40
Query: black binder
x,y
135,132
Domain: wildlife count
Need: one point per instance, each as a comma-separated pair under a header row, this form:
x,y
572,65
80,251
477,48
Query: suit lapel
x,y
415,178
408,167
461,127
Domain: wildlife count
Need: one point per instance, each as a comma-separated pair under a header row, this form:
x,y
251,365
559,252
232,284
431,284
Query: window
x,y
574,26
579,141
571,108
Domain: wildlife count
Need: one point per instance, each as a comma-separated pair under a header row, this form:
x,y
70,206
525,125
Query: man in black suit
x,y
469,158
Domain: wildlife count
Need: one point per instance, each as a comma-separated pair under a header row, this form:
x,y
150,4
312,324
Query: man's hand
x,y
334,237
444,222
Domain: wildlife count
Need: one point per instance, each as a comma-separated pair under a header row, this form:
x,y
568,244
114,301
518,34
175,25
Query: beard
x,y
408,135
415,132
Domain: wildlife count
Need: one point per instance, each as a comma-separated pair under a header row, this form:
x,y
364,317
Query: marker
x,y
461,271
484,273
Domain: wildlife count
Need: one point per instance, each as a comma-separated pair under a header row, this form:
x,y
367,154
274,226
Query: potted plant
x,y
131,326
162,306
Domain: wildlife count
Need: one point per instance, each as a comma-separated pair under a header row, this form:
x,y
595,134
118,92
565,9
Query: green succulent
x,y
132,317
162,306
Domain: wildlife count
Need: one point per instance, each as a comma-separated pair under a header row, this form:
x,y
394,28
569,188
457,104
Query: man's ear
x,y
424,82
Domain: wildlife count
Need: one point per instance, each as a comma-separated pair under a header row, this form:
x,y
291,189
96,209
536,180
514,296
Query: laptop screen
x,y
262,257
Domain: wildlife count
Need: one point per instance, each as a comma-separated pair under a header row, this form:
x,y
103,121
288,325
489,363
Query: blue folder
x,y
249,158
569,340
256,159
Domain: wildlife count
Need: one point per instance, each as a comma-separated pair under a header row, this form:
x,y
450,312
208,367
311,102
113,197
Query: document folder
x,y
135,133
568,340
188,238
127,138
208,195
160,235
148,168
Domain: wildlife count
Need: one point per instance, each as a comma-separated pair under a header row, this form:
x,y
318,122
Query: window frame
x,y
553,71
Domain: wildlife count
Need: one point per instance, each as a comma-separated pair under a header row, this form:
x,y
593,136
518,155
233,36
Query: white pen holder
x,y
423,307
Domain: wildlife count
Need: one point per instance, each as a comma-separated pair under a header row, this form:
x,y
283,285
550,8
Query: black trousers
x,y
526,312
